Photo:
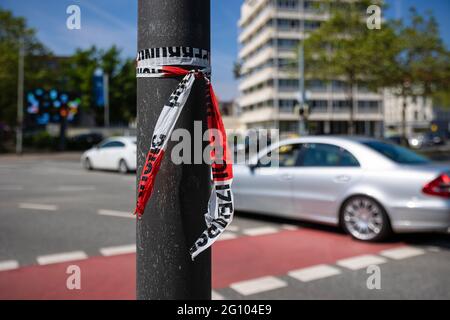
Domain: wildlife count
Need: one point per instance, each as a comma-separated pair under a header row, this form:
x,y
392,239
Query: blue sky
x,y
107,22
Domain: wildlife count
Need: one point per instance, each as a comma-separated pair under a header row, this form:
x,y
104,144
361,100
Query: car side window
x,y
348,160
287,157
112,144
327,155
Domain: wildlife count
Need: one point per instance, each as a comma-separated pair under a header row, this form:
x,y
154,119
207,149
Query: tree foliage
x,y
410,58
72,74
13,32
345,48
422,63
79,70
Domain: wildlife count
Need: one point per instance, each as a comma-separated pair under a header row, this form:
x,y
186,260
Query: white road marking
x,y
289,227
216,296
8,265
112,251
115,213
8,166
314,273
233,228
11,188
76,188
227,236
433,249
402,253
258,285
61,257
57,171
360,262
37,206
260,231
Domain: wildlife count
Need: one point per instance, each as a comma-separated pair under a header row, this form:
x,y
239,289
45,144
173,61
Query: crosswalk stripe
x,y
112,251
115,213
61,257
360,262
402,253
258,285
37,206
227,236
8,265
260,231
314,273
216,296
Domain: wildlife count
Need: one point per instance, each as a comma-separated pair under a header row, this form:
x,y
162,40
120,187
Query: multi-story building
x,y
270,31
419,113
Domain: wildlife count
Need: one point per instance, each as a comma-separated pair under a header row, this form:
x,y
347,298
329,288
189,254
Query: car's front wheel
x,y
123,168
87,164
365,219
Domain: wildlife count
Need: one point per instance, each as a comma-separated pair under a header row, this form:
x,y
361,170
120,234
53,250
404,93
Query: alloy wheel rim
x,y
363,218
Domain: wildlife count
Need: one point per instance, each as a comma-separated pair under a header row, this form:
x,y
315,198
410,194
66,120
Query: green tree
x,y
421,62
13,31
342,48
123,95
237,70
80,69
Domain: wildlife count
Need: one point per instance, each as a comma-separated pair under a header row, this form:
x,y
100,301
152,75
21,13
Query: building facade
x,y
270,31
419,113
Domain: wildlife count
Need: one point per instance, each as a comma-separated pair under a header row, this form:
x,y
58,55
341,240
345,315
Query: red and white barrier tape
x,y
167,62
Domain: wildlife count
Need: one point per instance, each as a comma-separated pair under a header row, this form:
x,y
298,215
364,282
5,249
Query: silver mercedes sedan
x,y
369,187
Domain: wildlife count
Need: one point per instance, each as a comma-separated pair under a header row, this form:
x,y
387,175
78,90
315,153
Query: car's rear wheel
x,y
87,164
123,168
365,219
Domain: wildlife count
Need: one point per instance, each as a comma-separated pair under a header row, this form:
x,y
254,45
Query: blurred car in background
x,y
84,141
118,153
398,139
428,139
367,186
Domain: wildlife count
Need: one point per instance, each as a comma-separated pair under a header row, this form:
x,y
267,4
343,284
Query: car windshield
x,y
396,153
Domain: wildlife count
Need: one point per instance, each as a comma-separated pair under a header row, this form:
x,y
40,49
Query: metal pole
x,y
301,66
276,98
173,218
106,98
20,80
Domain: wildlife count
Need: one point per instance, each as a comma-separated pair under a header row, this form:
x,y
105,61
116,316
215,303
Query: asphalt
x,y
70,221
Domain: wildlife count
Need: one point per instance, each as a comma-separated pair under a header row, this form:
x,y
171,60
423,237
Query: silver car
x,y
367,186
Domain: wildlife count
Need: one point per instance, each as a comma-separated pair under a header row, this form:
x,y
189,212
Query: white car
x,y
118,153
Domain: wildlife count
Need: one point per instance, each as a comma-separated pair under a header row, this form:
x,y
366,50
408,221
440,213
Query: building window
x,y
287,4
339,86
288,83
316,85
312,25
318,105
288,24
287,43
369,106
287,106
341,105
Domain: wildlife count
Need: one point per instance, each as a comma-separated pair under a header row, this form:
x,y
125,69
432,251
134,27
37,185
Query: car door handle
x,y
342,178
286,176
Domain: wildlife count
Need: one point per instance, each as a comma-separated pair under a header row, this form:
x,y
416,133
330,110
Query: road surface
x,y
54,214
